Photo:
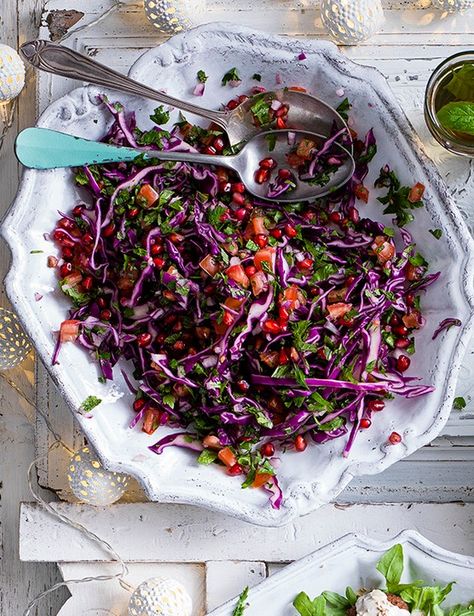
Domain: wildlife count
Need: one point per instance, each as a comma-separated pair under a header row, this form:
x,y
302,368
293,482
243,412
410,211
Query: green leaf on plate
x,y
458,116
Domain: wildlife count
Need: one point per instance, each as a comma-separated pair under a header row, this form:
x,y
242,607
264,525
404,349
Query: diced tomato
x,y
294,160
73,279
383,249
305,147
227,456
238,275
297,89
412,272
266,255
256,226
211,442
336,311
261,479
412,320
270,358
149,194
337,295
362,193
69,330
259,283
151,420
416,192
294,297
234,303
210,265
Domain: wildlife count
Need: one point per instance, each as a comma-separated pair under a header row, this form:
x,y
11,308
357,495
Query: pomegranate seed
x,y
238,199
335,217
52,261
376,405
144,339
209,149
277,233
282,111
395,438
224,216
65,269
284,174
179,345
365,423
394,320
267,163
67,253
238,187
77,211
209,289
261,176
159,262
305,264
178,326
242,98
241,213
300,443
400,330
176,238
283,313
160,338
88,239
218,144
250,270
65,223
107,231
234,470
402,343
283,357
403,363
271,326
133,213
105,314
354,215
410,299
243,385
267,450
62,238
290,231
228,318
101,302
232,104
261,240
280,123
88,283
138,404
156,249
350,280
225,186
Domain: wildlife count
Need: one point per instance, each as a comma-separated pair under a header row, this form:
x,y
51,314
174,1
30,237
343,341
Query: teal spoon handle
x,y
42,148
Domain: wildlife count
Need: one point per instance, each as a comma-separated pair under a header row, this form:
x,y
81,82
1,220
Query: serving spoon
x,y
42,148
306,112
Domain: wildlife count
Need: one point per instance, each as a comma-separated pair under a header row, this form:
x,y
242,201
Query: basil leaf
x,y
391,566
458,116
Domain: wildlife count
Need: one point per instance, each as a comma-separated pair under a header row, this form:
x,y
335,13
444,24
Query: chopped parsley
x,y
90,403
231,75
160,115
257,77
437,233
344,108
261,110
201,76
396,199
459,403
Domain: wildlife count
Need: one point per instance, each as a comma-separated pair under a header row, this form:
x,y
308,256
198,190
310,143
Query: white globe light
x,y
160,597
14,345
173,16
351,21
452,6
91,483
12,73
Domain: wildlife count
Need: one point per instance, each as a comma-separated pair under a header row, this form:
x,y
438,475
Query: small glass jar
x,y
464,146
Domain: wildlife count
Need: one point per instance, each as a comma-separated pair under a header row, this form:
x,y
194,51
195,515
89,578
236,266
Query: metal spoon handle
x,y
66,62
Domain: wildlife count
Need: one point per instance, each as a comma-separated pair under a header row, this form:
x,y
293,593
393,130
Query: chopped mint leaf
x,y
459,403
257,77
261,110
391,566
90,403
437,233
207,457
202,77
231,75
271,139
160,115
389,232
457,116
344,108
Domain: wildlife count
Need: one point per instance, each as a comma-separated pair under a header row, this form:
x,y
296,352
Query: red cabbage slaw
x,y
254,328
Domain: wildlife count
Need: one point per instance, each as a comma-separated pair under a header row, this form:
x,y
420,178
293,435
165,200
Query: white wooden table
x,y
213,555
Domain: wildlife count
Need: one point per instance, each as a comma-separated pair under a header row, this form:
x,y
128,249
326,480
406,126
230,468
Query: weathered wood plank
x,y
225,580
177,533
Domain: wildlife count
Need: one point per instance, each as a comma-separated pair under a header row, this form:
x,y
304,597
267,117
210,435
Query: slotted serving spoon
x,y
42,148
306,112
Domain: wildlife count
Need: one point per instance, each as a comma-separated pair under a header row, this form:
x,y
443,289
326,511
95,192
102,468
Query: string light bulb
x,y
12,74
14,345
91,483
173,16
453,6
351,21
160,597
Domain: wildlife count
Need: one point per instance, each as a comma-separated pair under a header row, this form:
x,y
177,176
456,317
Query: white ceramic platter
x,y
351,561
318,475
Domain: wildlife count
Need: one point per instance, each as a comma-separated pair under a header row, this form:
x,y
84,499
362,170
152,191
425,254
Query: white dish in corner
x,y
351,561
175,476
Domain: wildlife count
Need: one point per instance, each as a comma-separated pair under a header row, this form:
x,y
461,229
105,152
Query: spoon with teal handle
x,y
41,148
